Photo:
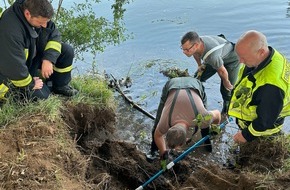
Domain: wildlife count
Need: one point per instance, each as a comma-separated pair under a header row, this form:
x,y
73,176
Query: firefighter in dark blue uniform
x,y
30,42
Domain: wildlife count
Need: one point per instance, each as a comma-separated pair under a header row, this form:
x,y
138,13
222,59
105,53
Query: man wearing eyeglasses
x,y
213,54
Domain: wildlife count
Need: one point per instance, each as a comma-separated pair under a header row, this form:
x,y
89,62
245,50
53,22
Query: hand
x,y
227,84
214,129
239,138
201,68
199,71
46,69
38,83
164,159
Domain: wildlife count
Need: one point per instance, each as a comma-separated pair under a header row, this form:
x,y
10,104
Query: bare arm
x,y
223,73
160,142
197,59
239,138
216,116
200,68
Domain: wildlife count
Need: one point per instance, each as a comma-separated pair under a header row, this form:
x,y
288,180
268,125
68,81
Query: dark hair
x,y
176,136
37,8
193,37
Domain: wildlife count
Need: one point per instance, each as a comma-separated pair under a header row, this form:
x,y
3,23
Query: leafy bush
x,y
87,33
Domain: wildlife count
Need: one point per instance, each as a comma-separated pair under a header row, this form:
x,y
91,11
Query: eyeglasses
x,y
187,48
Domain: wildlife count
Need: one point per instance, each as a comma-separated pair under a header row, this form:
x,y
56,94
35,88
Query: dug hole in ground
x,y
83,151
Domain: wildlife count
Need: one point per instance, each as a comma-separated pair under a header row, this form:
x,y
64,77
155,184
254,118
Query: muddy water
x,y
157,27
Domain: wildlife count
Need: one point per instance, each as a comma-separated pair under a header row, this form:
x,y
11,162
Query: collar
x,y
17,7
262,65
266,61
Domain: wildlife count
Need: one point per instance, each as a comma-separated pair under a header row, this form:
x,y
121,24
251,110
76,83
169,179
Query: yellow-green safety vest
x,y
276,73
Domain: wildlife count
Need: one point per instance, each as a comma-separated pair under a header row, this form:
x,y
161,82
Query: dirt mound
x,y
82,152
35,154
118,164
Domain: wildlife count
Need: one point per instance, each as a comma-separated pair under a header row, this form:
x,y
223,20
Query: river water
x,y
157,27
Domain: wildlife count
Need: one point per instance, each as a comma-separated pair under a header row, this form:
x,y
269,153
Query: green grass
x,y
92,91
286,146
13,111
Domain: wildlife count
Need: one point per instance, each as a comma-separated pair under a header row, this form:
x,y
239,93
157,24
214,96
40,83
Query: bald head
x,y
252,48
253,39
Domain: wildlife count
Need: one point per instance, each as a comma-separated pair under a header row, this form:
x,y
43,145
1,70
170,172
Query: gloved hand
x,y
164,159
199,71
214,129
201,68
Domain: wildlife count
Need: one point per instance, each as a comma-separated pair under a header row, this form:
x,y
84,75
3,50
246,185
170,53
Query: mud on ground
x,y
120,165
82,151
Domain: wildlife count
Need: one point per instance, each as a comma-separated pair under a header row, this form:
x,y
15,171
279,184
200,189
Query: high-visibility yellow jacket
x,y
261,97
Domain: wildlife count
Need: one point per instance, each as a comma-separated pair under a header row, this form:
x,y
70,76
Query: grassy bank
x,y
70,143
37,147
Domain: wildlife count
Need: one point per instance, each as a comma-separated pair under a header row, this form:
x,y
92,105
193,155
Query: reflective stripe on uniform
x,y
26,53
240,105
62,70
53,45
241,124
23,82
274,74
1,11
3,90
266,132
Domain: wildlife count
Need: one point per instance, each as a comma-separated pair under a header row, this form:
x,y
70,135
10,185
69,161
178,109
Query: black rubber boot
x,y
65,90
225,107
204,132
152,155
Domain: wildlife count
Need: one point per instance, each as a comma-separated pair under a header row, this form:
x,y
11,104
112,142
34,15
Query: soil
x,y
83,151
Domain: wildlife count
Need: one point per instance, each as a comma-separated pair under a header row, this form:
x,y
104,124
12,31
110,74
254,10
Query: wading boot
x,y
204,132
64,90
152,155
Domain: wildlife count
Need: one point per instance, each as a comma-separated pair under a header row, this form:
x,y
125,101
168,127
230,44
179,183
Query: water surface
x,y
157,27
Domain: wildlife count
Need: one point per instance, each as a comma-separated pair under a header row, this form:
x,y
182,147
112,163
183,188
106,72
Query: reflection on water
x,y
157,27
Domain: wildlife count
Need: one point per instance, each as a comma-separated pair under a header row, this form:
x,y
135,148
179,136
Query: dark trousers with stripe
x,y
57,78
65,60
